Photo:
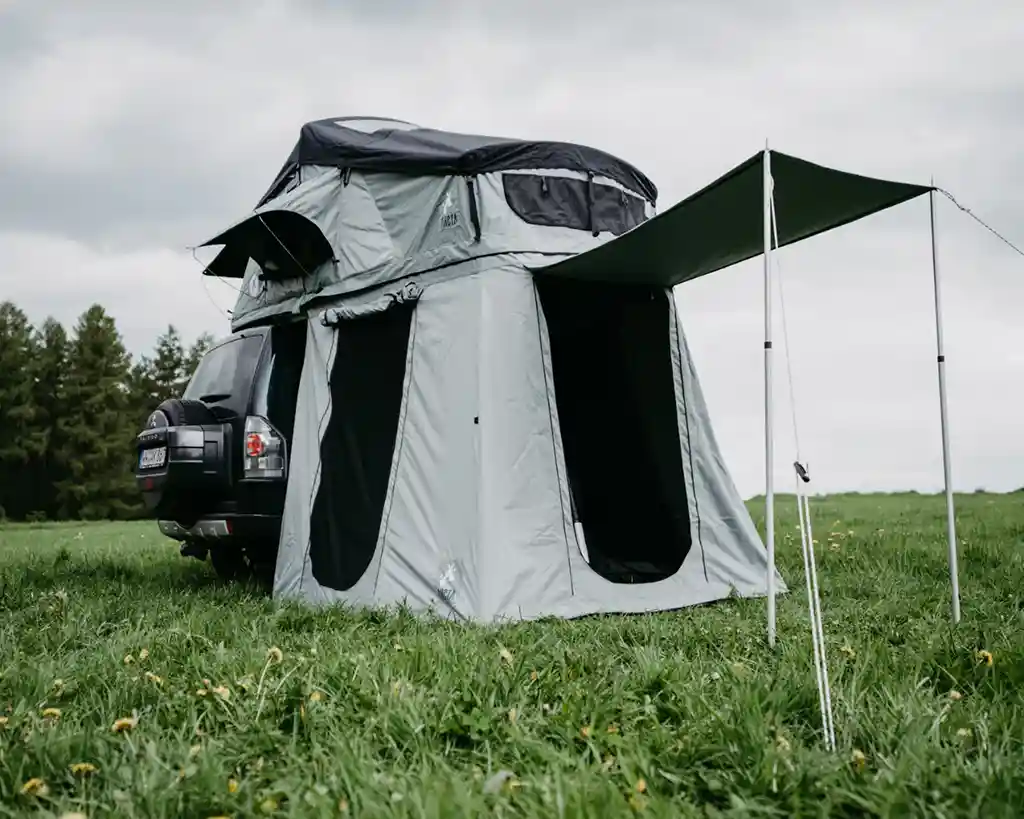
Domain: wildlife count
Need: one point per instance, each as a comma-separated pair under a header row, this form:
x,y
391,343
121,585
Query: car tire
x,y
181,412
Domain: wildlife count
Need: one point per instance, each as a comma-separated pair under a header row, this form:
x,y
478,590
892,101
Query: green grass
x,y
414,715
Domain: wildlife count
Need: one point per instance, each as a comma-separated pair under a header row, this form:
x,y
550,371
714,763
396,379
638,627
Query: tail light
x,y
264,450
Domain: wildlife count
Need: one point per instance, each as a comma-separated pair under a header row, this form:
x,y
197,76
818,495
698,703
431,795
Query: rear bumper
x,y
214,527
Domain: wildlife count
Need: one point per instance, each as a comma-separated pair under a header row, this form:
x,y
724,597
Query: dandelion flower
x,y
195,750
3,722
51,713
782,744
83,768
533,676
128,659
985,657
34,787
585,731
641,785
955,695
232,786
153,677
223,692
848,651
274,655
506,655
144,654
963,733
316,696
858,758
123,724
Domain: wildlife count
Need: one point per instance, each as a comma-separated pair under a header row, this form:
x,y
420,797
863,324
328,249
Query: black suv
x,y
213,464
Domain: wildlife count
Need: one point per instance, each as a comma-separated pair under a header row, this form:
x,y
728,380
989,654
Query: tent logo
x,y
446,583
449,215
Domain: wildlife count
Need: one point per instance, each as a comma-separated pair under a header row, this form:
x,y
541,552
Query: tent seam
x,y
320,461
554,449
401,445
689,442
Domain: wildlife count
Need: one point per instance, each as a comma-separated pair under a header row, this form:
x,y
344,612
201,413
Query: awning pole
x,y
769,514
944,417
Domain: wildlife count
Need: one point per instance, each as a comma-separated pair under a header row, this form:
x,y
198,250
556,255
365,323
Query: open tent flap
x,y
284,237
722,224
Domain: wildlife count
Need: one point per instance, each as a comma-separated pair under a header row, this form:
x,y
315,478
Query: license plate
x,y
150,458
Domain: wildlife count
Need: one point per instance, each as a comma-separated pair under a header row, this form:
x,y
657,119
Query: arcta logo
x,y
449,214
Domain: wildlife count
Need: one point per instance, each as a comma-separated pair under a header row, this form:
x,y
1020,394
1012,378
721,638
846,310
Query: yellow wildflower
x,y
83,768
128,659
533,676
3,722
144,654
985,657
955,695
641,785
51,713
123,724
316,696
223,692
963,733
153,677
274,655
585,731
506,655
858,758
34,787
232,786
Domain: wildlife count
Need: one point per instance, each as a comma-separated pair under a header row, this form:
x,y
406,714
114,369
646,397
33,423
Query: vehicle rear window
x,y
225,374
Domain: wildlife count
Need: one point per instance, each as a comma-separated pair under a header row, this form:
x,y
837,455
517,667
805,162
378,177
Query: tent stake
x,y
944,417
769,512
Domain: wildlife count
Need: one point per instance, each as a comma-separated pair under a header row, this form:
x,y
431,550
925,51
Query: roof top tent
x,y
498,414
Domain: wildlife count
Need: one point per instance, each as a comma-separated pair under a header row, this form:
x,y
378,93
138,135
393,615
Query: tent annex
x,y
498,414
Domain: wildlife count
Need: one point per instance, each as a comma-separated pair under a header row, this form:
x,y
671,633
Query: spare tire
x,y
181,412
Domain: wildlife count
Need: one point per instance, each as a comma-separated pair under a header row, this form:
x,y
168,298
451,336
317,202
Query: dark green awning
x,y
722,224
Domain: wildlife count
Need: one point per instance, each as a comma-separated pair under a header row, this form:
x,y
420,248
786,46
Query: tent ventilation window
x,y
580,204
615,397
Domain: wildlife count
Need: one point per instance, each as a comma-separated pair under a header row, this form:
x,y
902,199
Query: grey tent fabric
x,y
477,519
722,224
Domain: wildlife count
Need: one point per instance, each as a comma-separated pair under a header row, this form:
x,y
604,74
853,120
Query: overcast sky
x,y
132,131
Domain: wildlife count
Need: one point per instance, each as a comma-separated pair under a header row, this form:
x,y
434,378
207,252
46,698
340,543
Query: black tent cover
x,y
397,146
722,224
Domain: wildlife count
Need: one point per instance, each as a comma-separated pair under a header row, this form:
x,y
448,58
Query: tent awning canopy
x,y
722,224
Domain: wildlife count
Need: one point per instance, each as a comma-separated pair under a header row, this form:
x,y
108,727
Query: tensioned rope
x,y
806,530
981,221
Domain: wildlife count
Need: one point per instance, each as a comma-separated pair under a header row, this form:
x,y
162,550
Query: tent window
x,y
615,395
358,443
557,201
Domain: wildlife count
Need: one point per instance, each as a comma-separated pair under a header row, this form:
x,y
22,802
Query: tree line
x,y
71,404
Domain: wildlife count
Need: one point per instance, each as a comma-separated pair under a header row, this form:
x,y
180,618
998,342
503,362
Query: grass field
x,y
239,706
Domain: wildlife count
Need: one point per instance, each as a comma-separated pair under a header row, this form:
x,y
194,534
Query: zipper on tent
x,y
474,212
590,203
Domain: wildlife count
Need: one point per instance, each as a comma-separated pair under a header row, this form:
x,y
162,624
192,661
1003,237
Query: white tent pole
x,y
769,514
944,417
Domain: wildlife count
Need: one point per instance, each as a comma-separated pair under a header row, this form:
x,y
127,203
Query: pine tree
x,y
49,371
97,429
17,350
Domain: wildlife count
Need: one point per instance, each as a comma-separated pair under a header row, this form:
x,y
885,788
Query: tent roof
x,y
382,144
723,223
